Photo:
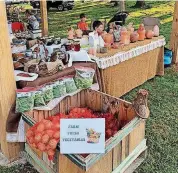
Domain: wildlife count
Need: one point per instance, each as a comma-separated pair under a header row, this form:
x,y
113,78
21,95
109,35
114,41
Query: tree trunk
x,y
140,3
122,5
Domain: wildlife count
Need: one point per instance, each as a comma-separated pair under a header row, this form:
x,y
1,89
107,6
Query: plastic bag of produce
x,y
70,84
59,89
48,93
39,98
24,100
45,135
84,77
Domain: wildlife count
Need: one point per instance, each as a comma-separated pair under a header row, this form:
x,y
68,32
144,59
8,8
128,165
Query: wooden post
x,y
44,17
7,85
174,35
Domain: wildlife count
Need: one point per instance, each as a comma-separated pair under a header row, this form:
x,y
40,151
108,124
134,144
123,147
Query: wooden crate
x,y
120,151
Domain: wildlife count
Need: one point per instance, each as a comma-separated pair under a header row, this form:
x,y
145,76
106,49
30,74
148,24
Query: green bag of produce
x,y
84,77
59,89
24,100
70,84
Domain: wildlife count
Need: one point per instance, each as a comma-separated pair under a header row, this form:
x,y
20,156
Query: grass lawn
x,y
162,126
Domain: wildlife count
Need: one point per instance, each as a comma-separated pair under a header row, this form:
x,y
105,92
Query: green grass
x,y
162,126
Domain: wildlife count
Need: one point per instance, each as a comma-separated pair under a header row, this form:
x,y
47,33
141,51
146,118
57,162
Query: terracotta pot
x,y
156,30
134,37
141,31
108,38
79,33
125,36
149,34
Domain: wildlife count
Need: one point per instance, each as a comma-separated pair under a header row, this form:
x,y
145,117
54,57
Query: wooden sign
x,y
82,136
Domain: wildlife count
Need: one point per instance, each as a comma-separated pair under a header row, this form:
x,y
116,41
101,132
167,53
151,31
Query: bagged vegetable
x,y
39,99
47,93
70,84
59,89
24,100
84,77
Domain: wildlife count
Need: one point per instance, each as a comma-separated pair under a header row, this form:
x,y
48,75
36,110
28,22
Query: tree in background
x,y
141,4
120,3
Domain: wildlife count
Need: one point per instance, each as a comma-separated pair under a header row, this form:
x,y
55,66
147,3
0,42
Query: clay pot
x,y
108,38
125,36
149,34
134,37
79,33
71,34
141,31
156,30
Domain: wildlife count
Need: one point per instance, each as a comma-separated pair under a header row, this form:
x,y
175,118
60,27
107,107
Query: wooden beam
x,y
7,85
44,17
174,35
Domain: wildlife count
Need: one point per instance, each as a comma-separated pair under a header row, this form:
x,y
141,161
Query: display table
x,y
130,66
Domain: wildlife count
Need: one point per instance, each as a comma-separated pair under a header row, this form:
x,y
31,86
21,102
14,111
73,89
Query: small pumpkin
x,y
149,34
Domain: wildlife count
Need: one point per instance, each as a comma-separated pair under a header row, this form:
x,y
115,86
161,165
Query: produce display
x,y
45,135
41,96
84,77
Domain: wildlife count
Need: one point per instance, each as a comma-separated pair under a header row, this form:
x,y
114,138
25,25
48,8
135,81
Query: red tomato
x,y
57,135
53,143
37,137
40,127
45,138
49,133
41,146
29,133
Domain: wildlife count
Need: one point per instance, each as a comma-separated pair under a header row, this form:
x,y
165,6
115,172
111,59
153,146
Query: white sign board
x,y
82,136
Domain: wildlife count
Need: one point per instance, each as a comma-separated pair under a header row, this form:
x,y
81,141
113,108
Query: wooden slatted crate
x,y
121,150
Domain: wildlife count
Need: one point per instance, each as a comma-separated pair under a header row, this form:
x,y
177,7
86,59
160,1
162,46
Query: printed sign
x,y
82,136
